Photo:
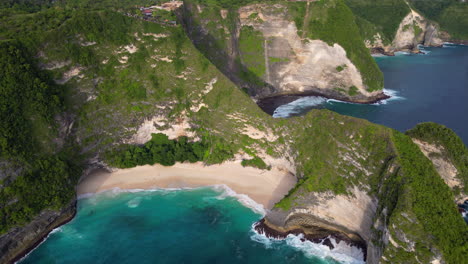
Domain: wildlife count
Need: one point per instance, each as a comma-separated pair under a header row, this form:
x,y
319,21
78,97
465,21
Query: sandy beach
x,y
265,187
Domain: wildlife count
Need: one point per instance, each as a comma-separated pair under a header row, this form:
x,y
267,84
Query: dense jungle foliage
x,y
29,102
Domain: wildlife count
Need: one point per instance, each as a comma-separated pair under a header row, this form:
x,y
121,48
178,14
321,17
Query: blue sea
x,y
425,87
203,225
212,225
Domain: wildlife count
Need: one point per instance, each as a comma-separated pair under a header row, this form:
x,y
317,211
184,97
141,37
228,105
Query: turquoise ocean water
x,y
209,226
204,225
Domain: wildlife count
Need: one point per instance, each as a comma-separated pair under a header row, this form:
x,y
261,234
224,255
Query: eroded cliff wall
x,y
261,48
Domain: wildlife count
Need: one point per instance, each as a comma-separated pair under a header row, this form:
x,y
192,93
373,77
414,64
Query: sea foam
x,y
342,252
298,106
245,200
55,230
223,189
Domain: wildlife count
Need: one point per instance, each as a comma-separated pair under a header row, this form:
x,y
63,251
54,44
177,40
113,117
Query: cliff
x,y
110,80
372,196
285,49
17,242
389,26
413,30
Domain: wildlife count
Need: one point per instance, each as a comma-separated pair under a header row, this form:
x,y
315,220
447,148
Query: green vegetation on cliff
x,y
255,162
39,173
424,193
385,15
252,54
454,148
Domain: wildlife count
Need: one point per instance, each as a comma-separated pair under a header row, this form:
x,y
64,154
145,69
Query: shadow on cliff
x,y
225,58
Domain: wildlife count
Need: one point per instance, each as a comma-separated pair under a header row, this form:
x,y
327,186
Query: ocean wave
x,y
55,230
298,106
245,200
134,203
341,252
402,53
223,189
393,97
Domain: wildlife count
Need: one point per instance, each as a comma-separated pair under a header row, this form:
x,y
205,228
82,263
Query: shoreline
x,y
269,104
68,215
265,187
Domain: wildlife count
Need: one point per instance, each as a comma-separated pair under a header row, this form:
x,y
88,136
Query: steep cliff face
x,y
268,54
413,30
371,195
19,241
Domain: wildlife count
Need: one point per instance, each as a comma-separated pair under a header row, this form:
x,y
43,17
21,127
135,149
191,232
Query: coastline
x,y
266,187
269,104
19,244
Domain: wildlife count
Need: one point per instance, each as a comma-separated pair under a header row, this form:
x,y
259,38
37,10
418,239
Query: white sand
x,y
263,186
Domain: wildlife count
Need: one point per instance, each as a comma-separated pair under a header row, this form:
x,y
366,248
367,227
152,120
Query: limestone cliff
x,y
19,241
260,47
414,30
371,198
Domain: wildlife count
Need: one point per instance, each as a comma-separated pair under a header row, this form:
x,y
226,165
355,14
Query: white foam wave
x,y
222,188
393,96
134,203
402,53
341,252
245,200
449,45
55,230
298,106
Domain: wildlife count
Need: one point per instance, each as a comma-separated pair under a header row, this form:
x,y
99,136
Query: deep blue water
x,y
185,226
431,87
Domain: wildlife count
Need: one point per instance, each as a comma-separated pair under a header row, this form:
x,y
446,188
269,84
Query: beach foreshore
x,y
265,187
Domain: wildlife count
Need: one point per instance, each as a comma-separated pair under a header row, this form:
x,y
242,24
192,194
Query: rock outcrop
x,y
20,240
285,62
414,30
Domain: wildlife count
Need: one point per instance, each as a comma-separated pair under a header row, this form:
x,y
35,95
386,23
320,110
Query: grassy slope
x,y
384,15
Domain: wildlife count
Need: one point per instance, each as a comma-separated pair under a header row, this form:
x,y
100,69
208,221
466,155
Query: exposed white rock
x,y
307,64
156,36
355,212
131,48
123,59
55,65
407,37
174,130
444,167
75,71
90,43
